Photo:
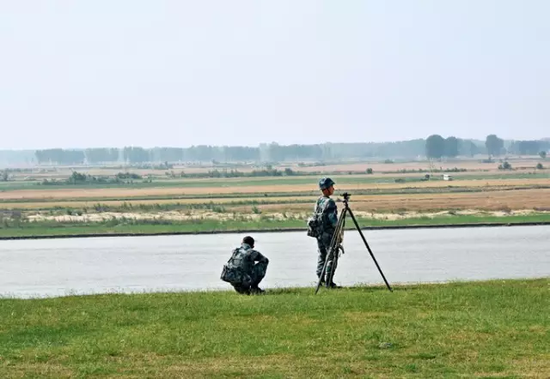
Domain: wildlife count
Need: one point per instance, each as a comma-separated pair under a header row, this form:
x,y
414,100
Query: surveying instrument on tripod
x,y
336,246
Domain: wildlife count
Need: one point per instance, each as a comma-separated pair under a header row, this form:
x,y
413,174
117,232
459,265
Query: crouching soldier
x,y
246,268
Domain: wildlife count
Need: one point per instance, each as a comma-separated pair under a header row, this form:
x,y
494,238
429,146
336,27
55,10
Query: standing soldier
x,y
246,268
326,213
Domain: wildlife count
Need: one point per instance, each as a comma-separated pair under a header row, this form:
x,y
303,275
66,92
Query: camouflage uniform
x,y
328,211
241,271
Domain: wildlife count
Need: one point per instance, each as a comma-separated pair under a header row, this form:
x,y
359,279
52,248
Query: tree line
x,y
133,154
435,146
530,148
265,152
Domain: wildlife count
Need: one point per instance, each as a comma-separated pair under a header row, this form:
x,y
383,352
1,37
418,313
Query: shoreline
x,y
272,230
378,286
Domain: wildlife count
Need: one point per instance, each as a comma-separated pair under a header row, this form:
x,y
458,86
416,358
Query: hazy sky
x,y
178,73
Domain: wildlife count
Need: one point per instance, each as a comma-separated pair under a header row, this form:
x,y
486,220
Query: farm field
x,y
470,164
246,187
476,193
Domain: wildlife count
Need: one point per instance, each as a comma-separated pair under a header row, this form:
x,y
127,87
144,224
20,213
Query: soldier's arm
x,y
258,257
332,212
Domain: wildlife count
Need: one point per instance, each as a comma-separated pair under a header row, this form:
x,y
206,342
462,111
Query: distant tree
x,y
97,155
540,166
77,177
60,156
505,166
435,146
494,145
288,171
467,148
473,149
5,176
168,154
451,147
128,175
369,171
543,154
135,154
527,147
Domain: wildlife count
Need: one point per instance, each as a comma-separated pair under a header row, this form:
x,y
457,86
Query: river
x,y
59,267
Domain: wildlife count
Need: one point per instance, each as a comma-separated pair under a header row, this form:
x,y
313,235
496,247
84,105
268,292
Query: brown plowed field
x,y
497,200
493,200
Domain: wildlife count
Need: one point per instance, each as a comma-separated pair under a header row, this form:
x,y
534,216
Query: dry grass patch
x,y
35,370
169,215
118,203
272,216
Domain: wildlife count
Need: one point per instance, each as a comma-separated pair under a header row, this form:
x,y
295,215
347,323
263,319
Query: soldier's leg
x,y
334,262
323,245
244,286
258,273
241,289
322,255
326,240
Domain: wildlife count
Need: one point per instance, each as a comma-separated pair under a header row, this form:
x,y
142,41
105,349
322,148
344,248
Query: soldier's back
x,y
242,258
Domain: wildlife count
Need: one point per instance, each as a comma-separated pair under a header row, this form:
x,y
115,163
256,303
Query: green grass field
x,y
130,227
495,329
301,179
211,182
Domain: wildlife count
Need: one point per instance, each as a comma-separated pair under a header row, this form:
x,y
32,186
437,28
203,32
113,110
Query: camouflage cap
x,y
326,183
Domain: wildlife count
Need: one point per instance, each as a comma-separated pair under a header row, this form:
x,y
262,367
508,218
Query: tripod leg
x,y
331,249
335,252
333,257
367,245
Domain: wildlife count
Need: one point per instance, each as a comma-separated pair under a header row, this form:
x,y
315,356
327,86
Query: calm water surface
x,y
56,267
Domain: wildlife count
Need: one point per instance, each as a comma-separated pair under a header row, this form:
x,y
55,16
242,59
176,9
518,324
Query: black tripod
x,y
335,246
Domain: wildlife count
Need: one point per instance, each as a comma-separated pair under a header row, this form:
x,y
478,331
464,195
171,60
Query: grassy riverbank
x,y
152,227
484,329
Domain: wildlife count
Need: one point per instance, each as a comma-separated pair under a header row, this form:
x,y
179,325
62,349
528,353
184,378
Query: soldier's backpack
x,y
313,226
314,223
232,273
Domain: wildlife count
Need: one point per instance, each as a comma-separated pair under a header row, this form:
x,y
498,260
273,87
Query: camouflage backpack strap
x,y
233,254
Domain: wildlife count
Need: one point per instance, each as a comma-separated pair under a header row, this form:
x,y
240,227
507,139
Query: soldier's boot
x,y
256,290
243,290
331,284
